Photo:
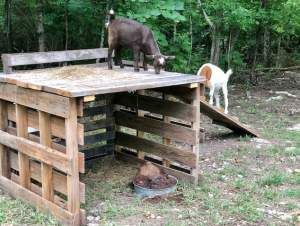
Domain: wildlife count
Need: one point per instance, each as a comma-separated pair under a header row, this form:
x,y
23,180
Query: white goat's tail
x,y
228,73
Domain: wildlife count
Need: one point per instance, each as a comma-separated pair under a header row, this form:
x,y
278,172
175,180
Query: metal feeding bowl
x,y
150,192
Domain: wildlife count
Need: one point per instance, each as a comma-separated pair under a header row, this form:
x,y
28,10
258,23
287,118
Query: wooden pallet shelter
x,y
83,112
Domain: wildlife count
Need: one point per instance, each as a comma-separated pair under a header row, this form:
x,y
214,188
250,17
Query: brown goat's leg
x,y
136,53
118,57
109,58
145,66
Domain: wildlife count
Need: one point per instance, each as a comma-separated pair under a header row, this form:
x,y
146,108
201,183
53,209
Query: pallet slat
x,y
59,179
57,123
170,153
91,139
47,102
164,129
47,155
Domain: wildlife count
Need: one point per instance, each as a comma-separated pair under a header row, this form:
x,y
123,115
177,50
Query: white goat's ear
x,y
151,57
169,57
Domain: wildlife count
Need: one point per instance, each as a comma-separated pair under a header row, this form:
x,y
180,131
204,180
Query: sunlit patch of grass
x,y
16,212
246,206
292,193
274,178
270,194
295,178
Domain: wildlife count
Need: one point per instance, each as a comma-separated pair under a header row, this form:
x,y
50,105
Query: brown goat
x,y
126,33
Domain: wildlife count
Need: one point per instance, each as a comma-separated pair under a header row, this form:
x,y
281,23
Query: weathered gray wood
x,y
91,139
18,59
47,102
184,157
158,106
76,81
167,130
98,151
98,124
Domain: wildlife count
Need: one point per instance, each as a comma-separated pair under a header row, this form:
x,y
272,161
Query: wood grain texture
x,y
12,142
47,172
226,120
59,179
57,124
94,80
161,128
184,157
4,163
72,153
18,59
155,105
47,102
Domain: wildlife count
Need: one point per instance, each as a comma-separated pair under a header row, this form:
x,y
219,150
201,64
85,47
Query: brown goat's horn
x,y
169,57
150,56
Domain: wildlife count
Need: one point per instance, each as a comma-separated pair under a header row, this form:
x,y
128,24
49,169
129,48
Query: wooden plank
x,y
196,127
18,59
80,105
72,153
18,191
164,129
57,123
22,133
178,174
55,146
226,120
59,179
95,111
47,102
184,157
98,151
164,107
140,113
39,152
91,139
98,124
182,93
4,163
47,172
166,140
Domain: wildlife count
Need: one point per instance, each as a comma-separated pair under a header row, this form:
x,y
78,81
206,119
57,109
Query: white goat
x,y
215,80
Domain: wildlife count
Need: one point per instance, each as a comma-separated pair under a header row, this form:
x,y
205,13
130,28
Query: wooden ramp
x,y
222,119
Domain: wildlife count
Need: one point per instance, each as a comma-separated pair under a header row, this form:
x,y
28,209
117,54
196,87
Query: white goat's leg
x,y
225,93
211,94
217,98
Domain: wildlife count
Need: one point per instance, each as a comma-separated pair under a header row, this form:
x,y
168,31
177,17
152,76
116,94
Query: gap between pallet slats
x,y
164,129
57,123
154,105
59,179
170,153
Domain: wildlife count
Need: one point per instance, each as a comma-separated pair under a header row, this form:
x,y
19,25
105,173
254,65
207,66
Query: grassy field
x,y
244,181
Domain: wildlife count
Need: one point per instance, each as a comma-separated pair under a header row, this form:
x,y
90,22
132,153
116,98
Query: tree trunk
x,y
7,6
266,47
191,42
66,25
40,25
278,56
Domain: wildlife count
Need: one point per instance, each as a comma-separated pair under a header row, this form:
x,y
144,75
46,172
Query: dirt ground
x,y
244,181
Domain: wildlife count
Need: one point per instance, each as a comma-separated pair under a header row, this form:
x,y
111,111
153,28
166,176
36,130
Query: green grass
x,y
14,211
275,178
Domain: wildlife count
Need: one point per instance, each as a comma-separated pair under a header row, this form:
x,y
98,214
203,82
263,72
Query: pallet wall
x,y
36,166
160,126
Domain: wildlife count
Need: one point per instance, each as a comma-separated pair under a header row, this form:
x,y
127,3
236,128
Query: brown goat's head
x,y
159,61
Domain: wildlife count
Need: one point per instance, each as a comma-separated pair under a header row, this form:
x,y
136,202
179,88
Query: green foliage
x,y
179,27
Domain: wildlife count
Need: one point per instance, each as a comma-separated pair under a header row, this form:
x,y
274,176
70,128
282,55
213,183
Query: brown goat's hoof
x,y
136,69
122,66
110,68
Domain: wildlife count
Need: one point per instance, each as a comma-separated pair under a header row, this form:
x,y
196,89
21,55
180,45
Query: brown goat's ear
x,y
169,57
151,57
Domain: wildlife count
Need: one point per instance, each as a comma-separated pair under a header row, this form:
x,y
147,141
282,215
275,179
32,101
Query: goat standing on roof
x,y
126,33
215,80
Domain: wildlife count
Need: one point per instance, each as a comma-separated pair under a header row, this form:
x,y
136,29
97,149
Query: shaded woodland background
x,y
246,35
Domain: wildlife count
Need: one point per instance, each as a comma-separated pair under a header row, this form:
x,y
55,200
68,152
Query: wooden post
x,y
196,127
72,154
166,140
47,172
4,162
140,113
22,131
